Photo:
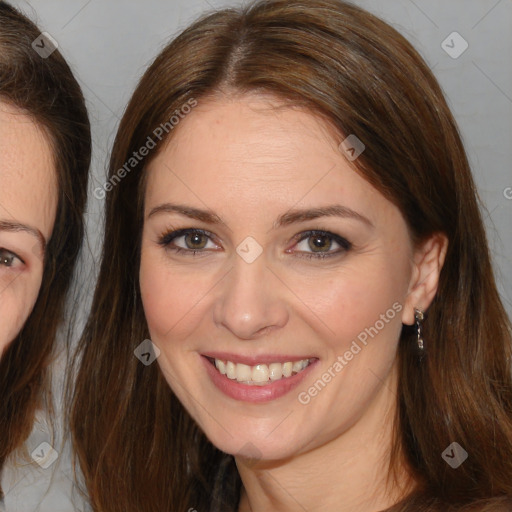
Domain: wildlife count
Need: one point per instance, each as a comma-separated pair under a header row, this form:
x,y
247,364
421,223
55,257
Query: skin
x,y
250,162
28,203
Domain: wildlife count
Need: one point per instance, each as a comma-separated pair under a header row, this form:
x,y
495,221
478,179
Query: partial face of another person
x,y
28,202
274,279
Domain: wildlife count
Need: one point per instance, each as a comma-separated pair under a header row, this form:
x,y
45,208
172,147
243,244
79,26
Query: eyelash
x,y
166,239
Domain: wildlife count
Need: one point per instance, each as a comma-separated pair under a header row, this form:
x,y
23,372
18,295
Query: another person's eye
x,y
320,244
9,259
191,241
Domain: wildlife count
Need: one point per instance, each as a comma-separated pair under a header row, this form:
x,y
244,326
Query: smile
x,y
260,374
257,379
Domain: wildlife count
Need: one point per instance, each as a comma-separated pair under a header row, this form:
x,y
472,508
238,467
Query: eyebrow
x,y
288,218
15,227
187,211
336,210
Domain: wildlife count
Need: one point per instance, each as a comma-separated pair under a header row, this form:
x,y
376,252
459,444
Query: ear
x,y
428,260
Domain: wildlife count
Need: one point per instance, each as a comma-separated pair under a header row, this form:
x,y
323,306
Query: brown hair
x,y
45,90
138,448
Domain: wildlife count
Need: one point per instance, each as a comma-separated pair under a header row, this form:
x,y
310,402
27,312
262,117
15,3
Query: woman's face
x,y
274,279
28,202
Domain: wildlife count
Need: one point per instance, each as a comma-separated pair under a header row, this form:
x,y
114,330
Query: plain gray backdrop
x,y
110,43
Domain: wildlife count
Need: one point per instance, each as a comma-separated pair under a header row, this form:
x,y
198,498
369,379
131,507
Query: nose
x,y
251,301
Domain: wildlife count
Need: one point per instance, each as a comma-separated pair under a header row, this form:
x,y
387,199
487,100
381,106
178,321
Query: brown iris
x,y
196,240
319,243
6,258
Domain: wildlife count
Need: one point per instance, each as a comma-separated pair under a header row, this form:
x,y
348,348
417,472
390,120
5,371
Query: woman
x,y
44,160
291,220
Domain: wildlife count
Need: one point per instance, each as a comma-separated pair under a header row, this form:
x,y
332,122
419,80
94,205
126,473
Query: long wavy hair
x,y
138,448
46,91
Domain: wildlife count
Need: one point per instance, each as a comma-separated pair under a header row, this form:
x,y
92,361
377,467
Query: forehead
x,y
255,129
251,150
28,182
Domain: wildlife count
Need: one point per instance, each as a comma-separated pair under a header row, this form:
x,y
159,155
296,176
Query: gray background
x,y
109,44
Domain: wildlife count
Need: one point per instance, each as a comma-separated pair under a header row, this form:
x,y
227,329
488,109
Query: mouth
x,y
260,374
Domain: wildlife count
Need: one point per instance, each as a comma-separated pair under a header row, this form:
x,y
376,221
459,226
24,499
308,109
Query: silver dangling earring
x,y
419,315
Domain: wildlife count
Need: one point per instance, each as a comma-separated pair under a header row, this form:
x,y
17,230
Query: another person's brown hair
x,y
138,448
45,90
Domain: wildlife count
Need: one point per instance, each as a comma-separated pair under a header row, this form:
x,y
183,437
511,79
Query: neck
x,y
347,474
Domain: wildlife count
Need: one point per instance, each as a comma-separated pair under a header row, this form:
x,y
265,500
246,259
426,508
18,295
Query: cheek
x,y
353,299
170,298
157,299
356,301
17,296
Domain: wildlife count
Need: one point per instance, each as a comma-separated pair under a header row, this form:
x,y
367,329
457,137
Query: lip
x,y
255,394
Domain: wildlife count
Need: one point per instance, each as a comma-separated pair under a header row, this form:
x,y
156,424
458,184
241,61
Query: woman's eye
x,y
188,240
321,244
311,244
8,258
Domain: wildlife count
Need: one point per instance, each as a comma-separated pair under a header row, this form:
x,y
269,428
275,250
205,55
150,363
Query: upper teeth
x,y
260,373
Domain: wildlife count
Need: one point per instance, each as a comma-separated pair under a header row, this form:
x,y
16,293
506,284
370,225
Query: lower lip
x,y
247,393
